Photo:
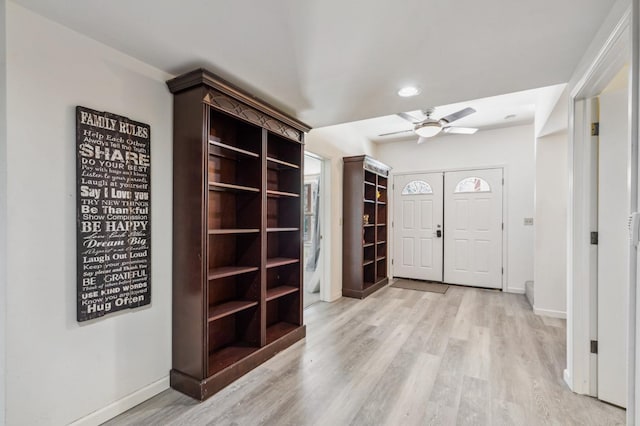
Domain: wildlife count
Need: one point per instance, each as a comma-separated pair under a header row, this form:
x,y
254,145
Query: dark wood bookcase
x,y
364,265
237,242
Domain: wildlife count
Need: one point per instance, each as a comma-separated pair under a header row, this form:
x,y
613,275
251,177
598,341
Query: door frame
x,y
618,47
505,231
325,225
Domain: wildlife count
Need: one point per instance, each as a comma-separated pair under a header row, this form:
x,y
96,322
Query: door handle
x,y
438,233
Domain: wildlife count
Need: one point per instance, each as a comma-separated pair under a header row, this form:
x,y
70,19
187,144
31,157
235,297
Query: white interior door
x,y
613,247
473,228
418,226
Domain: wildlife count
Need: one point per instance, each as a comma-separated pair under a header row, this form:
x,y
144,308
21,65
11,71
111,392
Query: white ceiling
x,y
335,61
490,113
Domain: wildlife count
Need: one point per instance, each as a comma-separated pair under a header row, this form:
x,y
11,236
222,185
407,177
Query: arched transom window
x,y
472,184
416,187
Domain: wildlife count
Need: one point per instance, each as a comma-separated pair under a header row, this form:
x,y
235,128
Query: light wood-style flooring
x,y
403,357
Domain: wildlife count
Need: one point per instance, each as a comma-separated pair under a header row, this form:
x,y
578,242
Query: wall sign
x,y
113,183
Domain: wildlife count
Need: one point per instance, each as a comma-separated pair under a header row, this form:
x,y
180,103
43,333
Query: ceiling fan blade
x,y
396,133
458,115
422,140
460,130
409,118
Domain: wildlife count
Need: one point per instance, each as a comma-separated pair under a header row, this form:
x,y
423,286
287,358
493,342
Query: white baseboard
x,y
567,378
334,297
515,290
550,313
120,406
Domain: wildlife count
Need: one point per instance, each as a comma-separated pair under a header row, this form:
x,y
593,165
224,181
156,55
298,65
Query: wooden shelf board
x,y
280,261
283,290
278,330
367,262
273,193
369,224
233,148
233,231
223,358
382,203
369,183
219,311
369,201
381,242
368,245
219,186
379,258
382,186
381,224
228,271
282,229
286,164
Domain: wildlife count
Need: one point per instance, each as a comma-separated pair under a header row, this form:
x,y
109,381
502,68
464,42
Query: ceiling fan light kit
x,y
428,129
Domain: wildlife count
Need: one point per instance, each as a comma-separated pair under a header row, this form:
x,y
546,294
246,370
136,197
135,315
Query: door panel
x,y
613,247
473,228
407,252
418,249
426,252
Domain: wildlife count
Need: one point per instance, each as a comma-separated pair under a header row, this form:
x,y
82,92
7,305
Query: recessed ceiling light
x,y
510,116
408,91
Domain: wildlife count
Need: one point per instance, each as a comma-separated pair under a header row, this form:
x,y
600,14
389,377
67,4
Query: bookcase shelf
x,y
281,165
282,229
219,311
283,290
228,271
364,269
271,193
279,329
237,270
237,150
219,186
227,356
232,231
274,262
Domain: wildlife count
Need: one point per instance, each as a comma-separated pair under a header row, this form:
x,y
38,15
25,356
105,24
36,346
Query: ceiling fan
x,y
430,127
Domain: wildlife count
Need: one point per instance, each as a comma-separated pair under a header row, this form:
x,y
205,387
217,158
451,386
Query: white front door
x,y
418,226
473,228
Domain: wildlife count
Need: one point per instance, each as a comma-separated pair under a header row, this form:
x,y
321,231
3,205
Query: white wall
x,y
512,147
58,370
3,202
332,143
550,266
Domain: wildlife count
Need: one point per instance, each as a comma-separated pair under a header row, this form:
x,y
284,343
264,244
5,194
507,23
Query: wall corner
x,y
3,203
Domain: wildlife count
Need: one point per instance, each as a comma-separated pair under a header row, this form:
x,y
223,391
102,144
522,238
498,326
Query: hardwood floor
x,y
403,357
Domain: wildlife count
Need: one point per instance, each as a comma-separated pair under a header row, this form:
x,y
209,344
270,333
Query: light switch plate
x,y
528,221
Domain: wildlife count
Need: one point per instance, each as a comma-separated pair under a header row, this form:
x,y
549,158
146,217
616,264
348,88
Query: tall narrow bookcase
x,y
237,245
364,265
